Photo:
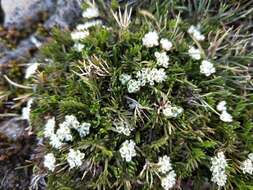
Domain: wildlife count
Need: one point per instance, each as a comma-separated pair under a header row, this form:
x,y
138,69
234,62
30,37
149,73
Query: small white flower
x,y
35,41
124,78
247,167
49,161
164,164
162,59
55,142
198,36
194,31
78,47
169,180
31,70
123,127
49,127
150,76
133,86
144,76
220,178
87,25
166,44
221,106
71,121
26,110
64,133
74,158
84,129
78,35
226,117
127,150
207,68
166,169
158,75
218,161
194,53
172,111
91,12
150,39
218,169
191,30
250,156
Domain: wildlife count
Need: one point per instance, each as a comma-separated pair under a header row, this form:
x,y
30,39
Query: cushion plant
x,y
156,96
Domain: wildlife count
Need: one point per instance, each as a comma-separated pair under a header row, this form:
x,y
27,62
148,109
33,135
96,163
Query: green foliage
x,y
86,84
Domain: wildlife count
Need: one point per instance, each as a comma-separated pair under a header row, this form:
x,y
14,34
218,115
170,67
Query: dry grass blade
x,y
214,45
94,66
123,20
16,84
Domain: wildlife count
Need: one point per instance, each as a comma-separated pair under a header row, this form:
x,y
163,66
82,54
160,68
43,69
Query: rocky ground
x,y
22,21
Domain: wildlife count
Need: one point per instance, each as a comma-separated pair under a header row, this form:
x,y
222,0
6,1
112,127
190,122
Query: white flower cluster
x,y
78,47
150,76
150,39
133,86
169,180
164,164
91,12
84,129
166,44
123,127
194,53
79,35
49,127
49,161
124,78
165,167
218,169
194,31
224,116
144,76
31,70
74,158
63,133
221,106
172,111
36,42
26,110
162,59
88,25
55,141
127,150
207,68
81,29
247,165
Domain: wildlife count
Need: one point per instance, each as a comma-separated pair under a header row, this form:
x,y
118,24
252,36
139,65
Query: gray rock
x,y
13,129
22,13
21,53
16,146
66,14
61,13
